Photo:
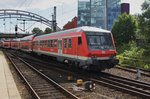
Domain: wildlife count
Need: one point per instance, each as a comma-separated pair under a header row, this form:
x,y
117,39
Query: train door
x,y
60,47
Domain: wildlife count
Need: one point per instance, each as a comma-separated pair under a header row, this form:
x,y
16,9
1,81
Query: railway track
x,y
134,70
134,87
144,70
129,86
41,86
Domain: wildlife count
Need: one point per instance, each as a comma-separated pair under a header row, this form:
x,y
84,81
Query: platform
x,y
8,89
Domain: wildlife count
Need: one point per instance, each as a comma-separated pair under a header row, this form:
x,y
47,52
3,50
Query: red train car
x,y
86,47
26,43
1,43
15,44
6,44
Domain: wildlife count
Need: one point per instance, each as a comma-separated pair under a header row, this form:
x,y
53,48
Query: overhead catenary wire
x,y
29,4
22,4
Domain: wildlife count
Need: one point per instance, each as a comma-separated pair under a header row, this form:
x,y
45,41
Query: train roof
x,y
17,39
92,29
79,29
27,38
8,40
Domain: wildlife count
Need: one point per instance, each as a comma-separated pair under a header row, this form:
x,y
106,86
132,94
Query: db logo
x,y
103,52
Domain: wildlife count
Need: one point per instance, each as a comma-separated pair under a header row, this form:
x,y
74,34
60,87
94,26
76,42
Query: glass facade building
x,y
98,13
84,15
114,10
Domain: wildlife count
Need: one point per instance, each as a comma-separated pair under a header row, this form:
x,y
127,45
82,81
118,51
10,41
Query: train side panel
x,y
15,44
6,44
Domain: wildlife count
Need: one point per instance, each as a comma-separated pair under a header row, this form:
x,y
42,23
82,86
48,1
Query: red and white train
x,y
6,43
86,47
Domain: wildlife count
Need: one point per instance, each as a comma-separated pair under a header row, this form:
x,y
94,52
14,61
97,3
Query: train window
x,y
52,43
37,43
79,41
40,43
59,44
49,43
69,43
55,43
65,43
34,43
45,43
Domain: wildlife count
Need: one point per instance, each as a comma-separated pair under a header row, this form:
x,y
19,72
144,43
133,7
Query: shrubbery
x,y
129,54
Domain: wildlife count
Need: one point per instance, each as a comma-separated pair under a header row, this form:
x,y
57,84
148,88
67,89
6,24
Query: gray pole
x,y
106,14
24,25
54,19
90,12
52,22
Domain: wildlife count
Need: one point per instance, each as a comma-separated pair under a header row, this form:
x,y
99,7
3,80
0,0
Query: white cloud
x,y
32,4
44,4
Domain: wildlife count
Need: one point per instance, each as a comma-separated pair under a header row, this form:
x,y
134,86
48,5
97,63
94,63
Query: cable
x,y
22,4
31,25
29,4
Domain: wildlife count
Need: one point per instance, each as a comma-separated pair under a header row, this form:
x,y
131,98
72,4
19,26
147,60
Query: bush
x,y
133,56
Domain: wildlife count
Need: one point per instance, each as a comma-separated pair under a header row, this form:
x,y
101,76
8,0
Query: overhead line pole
x,y
54,19
106,14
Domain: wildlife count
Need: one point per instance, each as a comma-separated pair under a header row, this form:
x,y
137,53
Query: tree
x,y
47,30
144,20
124,29
37,30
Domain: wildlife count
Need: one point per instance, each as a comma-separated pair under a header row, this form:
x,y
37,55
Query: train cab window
x,y
79,41
98,40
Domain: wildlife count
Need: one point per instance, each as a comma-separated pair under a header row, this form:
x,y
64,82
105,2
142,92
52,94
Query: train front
x,y
101,50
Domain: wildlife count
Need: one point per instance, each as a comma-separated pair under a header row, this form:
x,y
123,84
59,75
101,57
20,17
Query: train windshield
x,y
99,40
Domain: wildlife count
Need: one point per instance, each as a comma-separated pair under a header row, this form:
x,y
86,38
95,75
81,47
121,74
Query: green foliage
x,y
144,20
122,48
134,56
37,30
47,30
124,29
127,26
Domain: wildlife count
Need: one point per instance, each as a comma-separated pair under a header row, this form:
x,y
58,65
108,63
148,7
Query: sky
x,y
66,10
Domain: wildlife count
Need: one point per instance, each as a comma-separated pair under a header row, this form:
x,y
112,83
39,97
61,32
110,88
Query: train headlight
x,y
94,56
113,57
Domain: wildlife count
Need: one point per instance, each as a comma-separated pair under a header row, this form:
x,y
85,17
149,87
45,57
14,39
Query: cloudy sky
x,y
66,9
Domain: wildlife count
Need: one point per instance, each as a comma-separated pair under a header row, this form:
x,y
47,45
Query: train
x,y
85,47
